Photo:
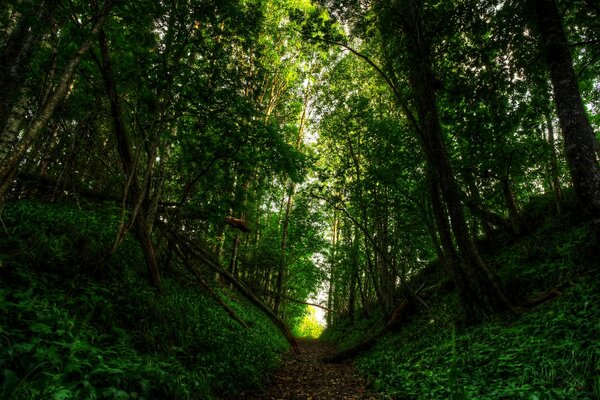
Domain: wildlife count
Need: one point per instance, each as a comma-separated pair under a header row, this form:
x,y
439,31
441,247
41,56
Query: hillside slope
x,y
550,351
75,326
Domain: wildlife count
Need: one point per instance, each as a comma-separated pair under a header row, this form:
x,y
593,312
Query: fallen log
x,y
542,298
402,310
397,317
211,291
293,300
205,257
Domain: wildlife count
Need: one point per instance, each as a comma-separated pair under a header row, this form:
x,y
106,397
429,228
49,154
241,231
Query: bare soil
x,y
304,377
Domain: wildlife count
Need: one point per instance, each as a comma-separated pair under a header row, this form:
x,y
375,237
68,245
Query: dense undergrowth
x,y
75,326
550,351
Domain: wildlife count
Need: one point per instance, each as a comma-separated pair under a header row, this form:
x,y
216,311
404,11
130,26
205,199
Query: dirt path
x,y
303,377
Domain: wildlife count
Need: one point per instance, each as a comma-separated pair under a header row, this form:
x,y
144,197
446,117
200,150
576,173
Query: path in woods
x,y
303,377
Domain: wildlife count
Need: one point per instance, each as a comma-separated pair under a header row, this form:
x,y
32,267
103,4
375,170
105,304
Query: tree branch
x,y
399,97
273,294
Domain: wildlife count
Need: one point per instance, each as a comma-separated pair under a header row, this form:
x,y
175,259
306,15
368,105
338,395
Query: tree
x,y
579,137
404,36
19,132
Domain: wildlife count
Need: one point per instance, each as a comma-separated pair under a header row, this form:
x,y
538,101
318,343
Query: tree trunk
x,y
514,215
475,196
235,248
354,272
554,165
16,55
480,279
200,254
138,195
283,259
579,137
9,164
450,259
281,273
332,269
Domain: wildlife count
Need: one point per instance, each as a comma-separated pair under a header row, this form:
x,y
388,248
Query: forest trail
x,y
304,377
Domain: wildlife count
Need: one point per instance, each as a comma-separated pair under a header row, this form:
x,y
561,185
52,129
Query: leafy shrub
x,y
63,238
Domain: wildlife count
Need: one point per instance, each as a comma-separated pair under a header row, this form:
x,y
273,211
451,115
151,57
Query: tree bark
x,y
355,271
476,200
16,56
283,258
516,220
579,137
482,281
138,195
332,269
450,258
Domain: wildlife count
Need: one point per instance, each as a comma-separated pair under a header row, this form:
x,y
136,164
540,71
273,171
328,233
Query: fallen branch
x,y
541,299
273,294
212,292
400,311
205,257
404,307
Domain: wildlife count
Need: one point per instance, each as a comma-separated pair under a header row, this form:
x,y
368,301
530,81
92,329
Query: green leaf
x,y
62,394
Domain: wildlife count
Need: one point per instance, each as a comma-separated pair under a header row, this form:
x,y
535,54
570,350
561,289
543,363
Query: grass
x,y
549,352
72,328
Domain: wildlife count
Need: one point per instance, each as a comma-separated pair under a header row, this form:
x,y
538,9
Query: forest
x,y
299,199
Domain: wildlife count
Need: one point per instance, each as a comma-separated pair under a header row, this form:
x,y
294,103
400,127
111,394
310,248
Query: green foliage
x,y
550,352
309,326
113,338
62,238
346,333
551,257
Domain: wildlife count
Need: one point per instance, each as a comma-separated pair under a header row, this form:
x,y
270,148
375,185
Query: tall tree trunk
x,y
450,259
579,137
332,269
516,220
554,164
15,57
354,272
283,257
282,271
481,279
476,199
233,262
138,195
235,248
